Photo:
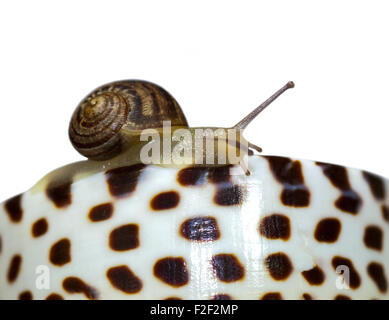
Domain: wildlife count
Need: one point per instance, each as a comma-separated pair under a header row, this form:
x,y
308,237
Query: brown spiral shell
x,y
95,129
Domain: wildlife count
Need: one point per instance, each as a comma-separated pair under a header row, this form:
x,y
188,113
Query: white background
x,y
219,59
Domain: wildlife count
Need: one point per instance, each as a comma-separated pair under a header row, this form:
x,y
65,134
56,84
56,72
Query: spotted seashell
x,y
293,229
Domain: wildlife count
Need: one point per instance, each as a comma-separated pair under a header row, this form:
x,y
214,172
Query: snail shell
x,y
109,116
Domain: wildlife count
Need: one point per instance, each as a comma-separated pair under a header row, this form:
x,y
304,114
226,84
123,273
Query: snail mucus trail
x,y
109,124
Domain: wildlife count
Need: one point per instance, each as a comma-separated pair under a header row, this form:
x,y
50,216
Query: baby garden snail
x,y
111,119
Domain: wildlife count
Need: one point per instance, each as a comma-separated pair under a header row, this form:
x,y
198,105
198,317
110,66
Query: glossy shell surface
x,y
293,229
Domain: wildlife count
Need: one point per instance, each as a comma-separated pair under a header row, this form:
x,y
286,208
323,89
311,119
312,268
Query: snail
x,y
110,121
122,225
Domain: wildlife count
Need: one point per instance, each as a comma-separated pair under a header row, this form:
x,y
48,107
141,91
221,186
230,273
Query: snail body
x,y
117,123
111,120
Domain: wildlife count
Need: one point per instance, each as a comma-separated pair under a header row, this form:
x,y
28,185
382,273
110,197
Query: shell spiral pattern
x,y
96,126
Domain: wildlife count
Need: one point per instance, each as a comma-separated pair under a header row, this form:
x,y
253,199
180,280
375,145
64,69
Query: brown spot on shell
x,y
101,212
60,194
289,174
279,266
13,207
229,194
221,297
275,226
200,229
376,184
60,252
122,181
76,285
342,297
307,296
124,238
123,279
314,276
25,295
377,274
165,200
227,267
328,230
54,296
354,278
272,296
219,174
172,271
14,268
385,213
295,198
192,176
336,174
173,298
39,228
349,201
373,237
